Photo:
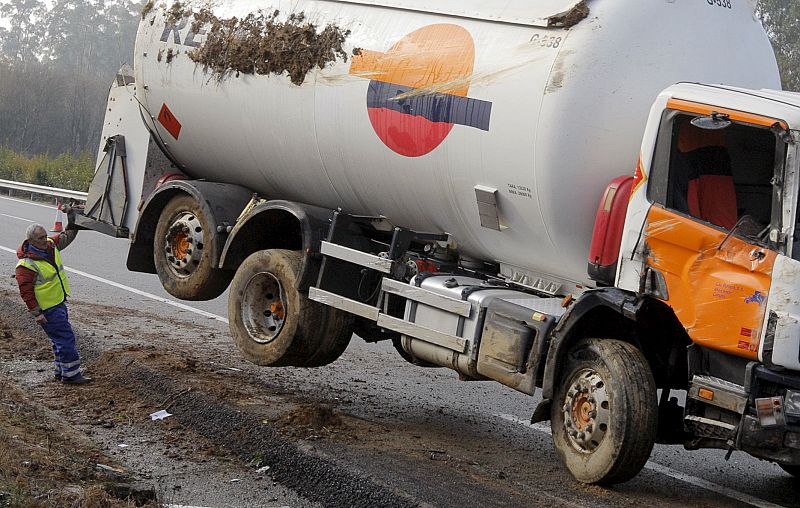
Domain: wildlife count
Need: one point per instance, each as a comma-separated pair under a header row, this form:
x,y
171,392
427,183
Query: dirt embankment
x,y
46,464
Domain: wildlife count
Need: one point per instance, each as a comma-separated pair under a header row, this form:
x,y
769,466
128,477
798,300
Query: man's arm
x,y
25,280
63,239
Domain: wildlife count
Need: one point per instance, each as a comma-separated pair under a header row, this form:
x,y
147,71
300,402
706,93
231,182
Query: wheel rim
x,y
263,309
183,244
586,411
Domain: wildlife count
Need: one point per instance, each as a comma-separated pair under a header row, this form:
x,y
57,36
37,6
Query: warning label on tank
x,y
170,123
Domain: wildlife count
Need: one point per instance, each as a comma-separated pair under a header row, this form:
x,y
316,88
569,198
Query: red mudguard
x,y
607,233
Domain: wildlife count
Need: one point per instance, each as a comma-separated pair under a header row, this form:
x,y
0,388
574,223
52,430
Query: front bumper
x,y
779,443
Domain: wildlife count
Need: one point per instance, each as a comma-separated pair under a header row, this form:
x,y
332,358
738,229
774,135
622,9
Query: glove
x,y
71,214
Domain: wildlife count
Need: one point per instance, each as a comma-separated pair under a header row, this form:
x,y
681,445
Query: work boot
x,y
77,380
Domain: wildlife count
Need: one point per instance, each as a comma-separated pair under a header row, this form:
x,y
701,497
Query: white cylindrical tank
x,y
441,97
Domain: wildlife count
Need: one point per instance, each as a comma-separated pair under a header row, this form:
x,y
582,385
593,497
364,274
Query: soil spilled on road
x,y
206,401
44,464
289,430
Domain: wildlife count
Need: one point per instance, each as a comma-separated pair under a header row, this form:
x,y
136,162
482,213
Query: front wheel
x,y
274,324
604,415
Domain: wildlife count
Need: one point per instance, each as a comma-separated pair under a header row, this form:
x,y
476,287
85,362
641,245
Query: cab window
x,y
716,175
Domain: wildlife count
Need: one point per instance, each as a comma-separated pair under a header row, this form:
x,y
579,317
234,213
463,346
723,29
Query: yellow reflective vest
x,y
51,286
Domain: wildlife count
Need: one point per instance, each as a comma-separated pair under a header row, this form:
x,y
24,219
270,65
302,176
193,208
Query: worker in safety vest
x,y
44,287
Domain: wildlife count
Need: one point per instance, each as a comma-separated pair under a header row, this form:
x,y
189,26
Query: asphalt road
x,y
389,390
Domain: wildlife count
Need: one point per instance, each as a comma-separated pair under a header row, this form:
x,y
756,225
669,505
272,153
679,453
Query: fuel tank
x,y
427,112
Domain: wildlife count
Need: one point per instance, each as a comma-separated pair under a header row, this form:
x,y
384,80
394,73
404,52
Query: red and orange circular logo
x,y
418,89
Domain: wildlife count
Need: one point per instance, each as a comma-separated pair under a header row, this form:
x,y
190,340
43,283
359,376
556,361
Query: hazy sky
x,y
4,23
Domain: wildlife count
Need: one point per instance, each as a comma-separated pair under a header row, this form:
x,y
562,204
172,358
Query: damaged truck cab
x,y
710,231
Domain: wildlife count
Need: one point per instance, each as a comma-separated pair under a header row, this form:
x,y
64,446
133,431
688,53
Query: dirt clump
x,y
148,6
23,344
177,12
261,44
572,17
316,416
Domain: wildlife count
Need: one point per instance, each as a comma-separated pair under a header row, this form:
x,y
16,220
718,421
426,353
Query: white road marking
x,y
137,291
15,217
667,471
27,202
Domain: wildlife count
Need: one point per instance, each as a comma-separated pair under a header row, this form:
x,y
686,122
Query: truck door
x,y
710,239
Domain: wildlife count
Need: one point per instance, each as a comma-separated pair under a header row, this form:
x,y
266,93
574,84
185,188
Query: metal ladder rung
x,y
445,303
425,334
342,303
356,257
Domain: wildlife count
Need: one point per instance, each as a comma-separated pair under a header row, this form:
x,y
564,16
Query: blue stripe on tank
x,y
436,107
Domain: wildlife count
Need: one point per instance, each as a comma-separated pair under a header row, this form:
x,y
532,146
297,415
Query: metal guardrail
x,y
41,189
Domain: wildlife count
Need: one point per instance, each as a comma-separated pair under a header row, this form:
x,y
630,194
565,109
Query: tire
x,y
273,324
183,231
604,414
792,470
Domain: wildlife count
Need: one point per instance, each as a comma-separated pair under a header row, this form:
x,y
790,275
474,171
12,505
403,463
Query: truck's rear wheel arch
x,y
140,254
279,225
646,323
221,204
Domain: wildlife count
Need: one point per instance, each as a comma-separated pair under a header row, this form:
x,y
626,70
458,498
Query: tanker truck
x,y
542,194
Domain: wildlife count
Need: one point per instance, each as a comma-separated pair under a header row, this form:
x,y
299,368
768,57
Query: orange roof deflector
x,y
733,114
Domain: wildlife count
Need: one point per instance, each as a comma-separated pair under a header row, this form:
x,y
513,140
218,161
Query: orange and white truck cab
x,y
710,231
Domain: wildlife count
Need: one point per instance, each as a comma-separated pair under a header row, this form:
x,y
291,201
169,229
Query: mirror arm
x,y
784,134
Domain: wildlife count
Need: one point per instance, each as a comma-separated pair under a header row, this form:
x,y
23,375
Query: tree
x,y
781,19
55,69
21,41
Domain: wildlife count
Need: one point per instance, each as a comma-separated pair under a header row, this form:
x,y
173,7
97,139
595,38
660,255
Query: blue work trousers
x,y
67,362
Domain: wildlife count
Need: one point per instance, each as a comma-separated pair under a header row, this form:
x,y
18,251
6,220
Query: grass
x,y
64,171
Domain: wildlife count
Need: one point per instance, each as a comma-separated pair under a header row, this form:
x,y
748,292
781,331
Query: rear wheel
x,y
604,414
182,252
273,324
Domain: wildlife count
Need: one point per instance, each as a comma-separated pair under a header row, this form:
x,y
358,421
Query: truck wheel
x,y
604,414
182,255
273,324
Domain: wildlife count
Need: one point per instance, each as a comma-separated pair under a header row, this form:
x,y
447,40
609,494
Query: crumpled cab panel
x,y
717,287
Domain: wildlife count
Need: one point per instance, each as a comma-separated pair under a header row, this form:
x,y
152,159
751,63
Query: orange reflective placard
x,y
718,294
